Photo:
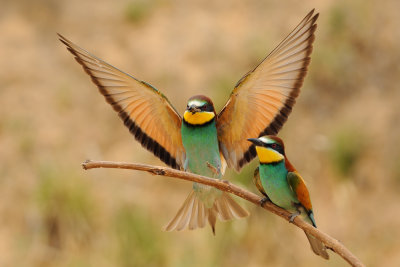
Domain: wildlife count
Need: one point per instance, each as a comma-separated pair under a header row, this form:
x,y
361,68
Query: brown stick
x,y
226,186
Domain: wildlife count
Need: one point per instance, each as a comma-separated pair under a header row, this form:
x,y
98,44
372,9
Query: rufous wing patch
x,y
299,187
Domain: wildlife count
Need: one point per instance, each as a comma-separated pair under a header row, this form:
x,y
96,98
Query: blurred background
x,y
343,135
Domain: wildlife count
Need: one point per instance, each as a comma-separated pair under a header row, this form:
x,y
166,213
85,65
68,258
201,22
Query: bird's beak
x,y
193,109
256,141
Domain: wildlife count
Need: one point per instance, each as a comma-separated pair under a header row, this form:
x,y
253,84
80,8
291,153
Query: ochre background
x,y
343,135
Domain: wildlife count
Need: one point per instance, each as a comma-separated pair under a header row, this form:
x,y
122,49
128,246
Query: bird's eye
x,y
274,146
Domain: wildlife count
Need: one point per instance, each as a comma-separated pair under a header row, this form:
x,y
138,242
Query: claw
x,y
263,201
212,168
294,215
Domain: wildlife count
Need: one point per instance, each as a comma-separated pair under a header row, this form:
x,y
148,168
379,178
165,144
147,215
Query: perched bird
x,y
278,181
203,142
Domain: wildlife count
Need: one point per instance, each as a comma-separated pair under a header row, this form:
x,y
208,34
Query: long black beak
x,y
193,109
256,141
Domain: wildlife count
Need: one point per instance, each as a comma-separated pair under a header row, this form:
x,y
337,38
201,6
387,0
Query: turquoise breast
x,y
274,181
201,146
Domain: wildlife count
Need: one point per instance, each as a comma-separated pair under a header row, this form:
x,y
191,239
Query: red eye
x,y
273,146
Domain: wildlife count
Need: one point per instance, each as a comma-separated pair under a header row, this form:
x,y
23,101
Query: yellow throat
x,y
267,155
198,118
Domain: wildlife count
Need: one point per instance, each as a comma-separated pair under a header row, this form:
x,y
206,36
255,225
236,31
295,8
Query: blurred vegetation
x,y
139,10
347,148
66,209
139,243
343,134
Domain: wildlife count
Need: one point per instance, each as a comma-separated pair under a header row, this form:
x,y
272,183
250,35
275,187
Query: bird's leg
x,y
212,168
264,200
295,214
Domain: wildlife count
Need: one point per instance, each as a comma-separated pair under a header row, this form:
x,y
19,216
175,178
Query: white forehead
x,y
267,140
196,102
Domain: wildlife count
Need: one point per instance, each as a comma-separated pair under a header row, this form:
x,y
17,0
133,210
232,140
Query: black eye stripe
x,y
205,107
276,147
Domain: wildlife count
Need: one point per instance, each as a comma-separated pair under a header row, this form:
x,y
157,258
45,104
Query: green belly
x,y
201,147
274,182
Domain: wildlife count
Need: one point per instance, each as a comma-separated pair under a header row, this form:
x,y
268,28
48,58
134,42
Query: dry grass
x,y
52,118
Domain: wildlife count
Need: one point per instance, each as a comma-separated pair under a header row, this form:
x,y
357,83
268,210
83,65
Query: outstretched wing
x,y
298,186
263,99
144,110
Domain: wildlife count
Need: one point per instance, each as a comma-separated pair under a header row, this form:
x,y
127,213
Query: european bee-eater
x,y
202,141
278,180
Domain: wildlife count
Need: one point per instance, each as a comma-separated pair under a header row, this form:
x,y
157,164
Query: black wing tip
x,y
247,157
146,141
60,36
281,117
285,111
71,49
272,129
315,17
310,15
279,120
306,19
65,43
64,40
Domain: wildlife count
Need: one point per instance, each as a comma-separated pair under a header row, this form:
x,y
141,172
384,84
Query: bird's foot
x,y
293,215
263,201
212,168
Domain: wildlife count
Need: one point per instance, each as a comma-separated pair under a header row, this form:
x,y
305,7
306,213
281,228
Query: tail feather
x,y
212,217
186,214
180,215
193,222
236,209
317,246
224,212
194,214
202,216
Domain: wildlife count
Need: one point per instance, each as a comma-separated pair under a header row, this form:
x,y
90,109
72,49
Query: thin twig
x,y
226,186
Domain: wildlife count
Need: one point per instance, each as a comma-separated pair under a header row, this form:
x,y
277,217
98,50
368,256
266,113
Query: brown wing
x,y
257,181
144,110
299,187
263,99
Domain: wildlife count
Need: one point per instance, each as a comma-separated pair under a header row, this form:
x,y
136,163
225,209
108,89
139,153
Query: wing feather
x,y
144,110
263,99
299,187
257,181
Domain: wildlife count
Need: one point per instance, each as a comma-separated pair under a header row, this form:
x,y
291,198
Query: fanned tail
x,y
194,214
229,209
317,246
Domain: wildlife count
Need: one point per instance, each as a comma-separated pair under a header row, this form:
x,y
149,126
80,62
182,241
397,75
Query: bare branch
x,y
226,186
